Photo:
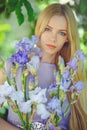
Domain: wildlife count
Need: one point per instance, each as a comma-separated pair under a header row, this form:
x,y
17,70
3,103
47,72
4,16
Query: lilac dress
x,y
45,79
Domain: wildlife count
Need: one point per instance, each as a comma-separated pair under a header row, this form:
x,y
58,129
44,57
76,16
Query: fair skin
x,y
7,126
53,38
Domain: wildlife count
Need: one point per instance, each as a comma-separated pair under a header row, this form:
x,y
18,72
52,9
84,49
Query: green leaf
x,y
3,110
83,6
2,5
18,12
11,5
29,9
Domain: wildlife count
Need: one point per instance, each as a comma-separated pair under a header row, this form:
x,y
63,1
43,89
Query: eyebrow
x,y
63,30
49,26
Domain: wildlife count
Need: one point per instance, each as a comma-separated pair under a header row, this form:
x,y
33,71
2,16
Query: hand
x,y
6,126
57,128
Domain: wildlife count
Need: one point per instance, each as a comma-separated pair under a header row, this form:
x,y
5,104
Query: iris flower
x,y
77,86
38,95
27,44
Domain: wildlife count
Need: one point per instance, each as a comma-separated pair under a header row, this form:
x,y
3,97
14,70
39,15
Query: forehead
x,y
58,21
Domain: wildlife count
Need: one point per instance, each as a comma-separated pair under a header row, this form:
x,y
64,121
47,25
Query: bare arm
x,y
7,126
58,128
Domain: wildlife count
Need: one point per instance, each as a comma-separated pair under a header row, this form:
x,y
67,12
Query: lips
x,y
50,46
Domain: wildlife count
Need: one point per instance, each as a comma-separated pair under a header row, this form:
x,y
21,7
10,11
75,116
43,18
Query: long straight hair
x,y
78,117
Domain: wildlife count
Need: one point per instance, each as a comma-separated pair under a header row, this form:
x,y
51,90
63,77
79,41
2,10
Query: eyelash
x,y
47,29
63,33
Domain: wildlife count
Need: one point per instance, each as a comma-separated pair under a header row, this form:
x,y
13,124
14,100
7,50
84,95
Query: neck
x,y
48,58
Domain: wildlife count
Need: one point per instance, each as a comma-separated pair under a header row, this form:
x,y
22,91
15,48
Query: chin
x,y
50,52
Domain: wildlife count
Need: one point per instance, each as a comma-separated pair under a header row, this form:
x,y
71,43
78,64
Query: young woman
x,y
57,31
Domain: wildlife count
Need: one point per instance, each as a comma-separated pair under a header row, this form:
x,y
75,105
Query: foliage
x,y
3,29
4,111
17,5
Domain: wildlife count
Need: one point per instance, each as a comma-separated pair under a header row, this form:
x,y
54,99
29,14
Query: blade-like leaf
x,y
18,12
11,5
29,9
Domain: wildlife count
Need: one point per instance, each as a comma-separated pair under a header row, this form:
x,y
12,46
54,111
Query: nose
x,y
53,37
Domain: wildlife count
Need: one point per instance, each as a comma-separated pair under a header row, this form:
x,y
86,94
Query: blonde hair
x,y
78,118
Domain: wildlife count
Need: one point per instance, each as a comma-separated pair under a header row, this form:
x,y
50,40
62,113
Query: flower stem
x,y
25,97
27,122
20,115
67,107
15,85
24,83
58,91
8,80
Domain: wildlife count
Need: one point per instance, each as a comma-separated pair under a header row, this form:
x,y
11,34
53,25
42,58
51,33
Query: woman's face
x,y
54,35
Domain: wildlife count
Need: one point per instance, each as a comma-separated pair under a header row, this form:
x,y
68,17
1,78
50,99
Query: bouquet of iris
x,y
59,104
26,98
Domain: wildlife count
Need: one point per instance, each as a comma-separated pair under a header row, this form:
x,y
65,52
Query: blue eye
x,y
47,29
63,33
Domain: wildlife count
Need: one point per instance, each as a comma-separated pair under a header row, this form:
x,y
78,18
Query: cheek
x,y
43,39
60,46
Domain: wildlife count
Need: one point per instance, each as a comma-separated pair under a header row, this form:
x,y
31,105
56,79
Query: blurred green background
x,y
18,19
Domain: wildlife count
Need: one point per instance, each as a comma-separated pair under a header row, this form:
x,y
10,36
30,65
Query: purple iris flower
x,y
51,127
65,81
77,86
53,87
27,44
44,121
31,78
20,57
35,39
73,64
80,55
37,51
66,74
55,105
